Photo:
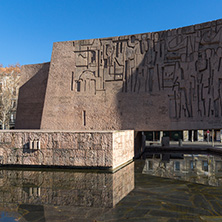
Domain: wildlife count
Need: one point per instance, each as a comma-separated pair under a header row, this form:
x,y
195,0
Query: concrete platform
x,y
73,149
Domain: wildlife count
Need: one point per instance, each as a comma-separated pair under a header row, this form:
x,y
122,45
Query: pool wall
x,y
105,149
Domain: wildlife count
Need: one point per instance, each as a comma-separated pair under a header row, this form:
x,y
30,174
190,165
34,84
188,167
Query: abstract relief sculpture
x,y
163,80
184,62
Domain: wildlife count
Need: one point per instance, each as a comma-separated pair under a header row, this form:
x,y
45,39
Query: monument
x,y
82,108
168,80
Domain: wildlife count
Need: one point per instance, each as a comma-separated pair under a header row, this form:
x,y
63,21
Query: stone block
x,y
79,157
91,158
89,153
48,157
101,158
7,138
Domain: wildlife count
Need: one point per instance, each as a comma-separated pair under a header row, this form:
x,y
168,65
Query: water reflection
x,y
61,195
202,168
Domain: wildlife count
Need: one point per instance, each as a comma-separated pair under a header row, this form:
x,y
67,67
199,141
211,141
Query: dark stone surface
x,y
32,96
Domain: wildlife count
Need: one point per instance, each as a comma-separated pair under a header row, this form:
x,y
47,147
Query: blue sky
x,y
28,28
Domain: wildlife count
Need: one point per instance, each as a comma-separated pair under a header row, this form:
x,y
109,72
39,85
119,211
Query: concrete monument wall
x,y
31,96
168,80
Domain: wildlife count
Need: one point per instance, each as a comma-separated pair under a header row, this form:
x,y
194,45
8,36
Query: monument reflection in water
x,y
61,195
196,168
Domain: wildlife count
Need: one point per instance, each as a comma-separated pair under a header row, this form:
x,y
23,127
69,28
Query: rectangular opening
x,y
78,86
93,58
72,81
105,63
84,117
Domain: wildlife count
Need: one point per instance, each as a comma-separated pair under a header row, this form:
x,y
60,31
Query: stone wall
x,y
73,149
123,147
168,80
31,96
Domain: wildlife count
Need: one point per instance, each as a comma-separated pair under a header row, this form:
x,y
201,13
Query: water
x,y
163,187
196,168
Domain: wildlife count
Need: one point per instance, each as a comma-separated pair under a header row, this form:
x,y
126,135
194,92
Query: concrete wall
x,y
107,149
168,80
31,96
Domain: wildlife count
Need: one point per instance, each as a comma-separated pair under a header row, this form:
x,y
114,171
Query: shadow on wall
x,y
141,101
171,80
168,80
32,96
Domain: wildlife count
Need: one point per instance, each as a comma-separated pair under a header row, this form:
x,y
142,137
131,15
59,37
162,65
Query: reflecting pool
x,y
196,168
162,187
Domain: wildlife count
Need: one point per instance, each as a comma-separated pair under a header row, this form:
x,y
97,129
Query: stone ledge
x,y
68,149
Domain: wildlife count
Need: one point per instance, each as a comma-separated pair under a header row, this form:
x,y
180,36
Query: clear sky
x,y
28,28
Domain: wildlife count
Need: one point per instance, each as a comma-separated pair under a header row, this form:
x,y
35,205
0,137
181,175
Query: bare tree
x,y
9,84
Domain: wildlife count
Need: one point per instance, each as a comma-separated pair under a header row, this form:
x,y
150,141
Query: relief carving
x,y
184,63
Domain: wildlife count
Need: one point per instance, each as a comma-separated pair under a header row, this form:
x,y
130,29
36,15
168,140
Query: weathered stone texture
x,y
31,96
168,80
81,149
123,147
